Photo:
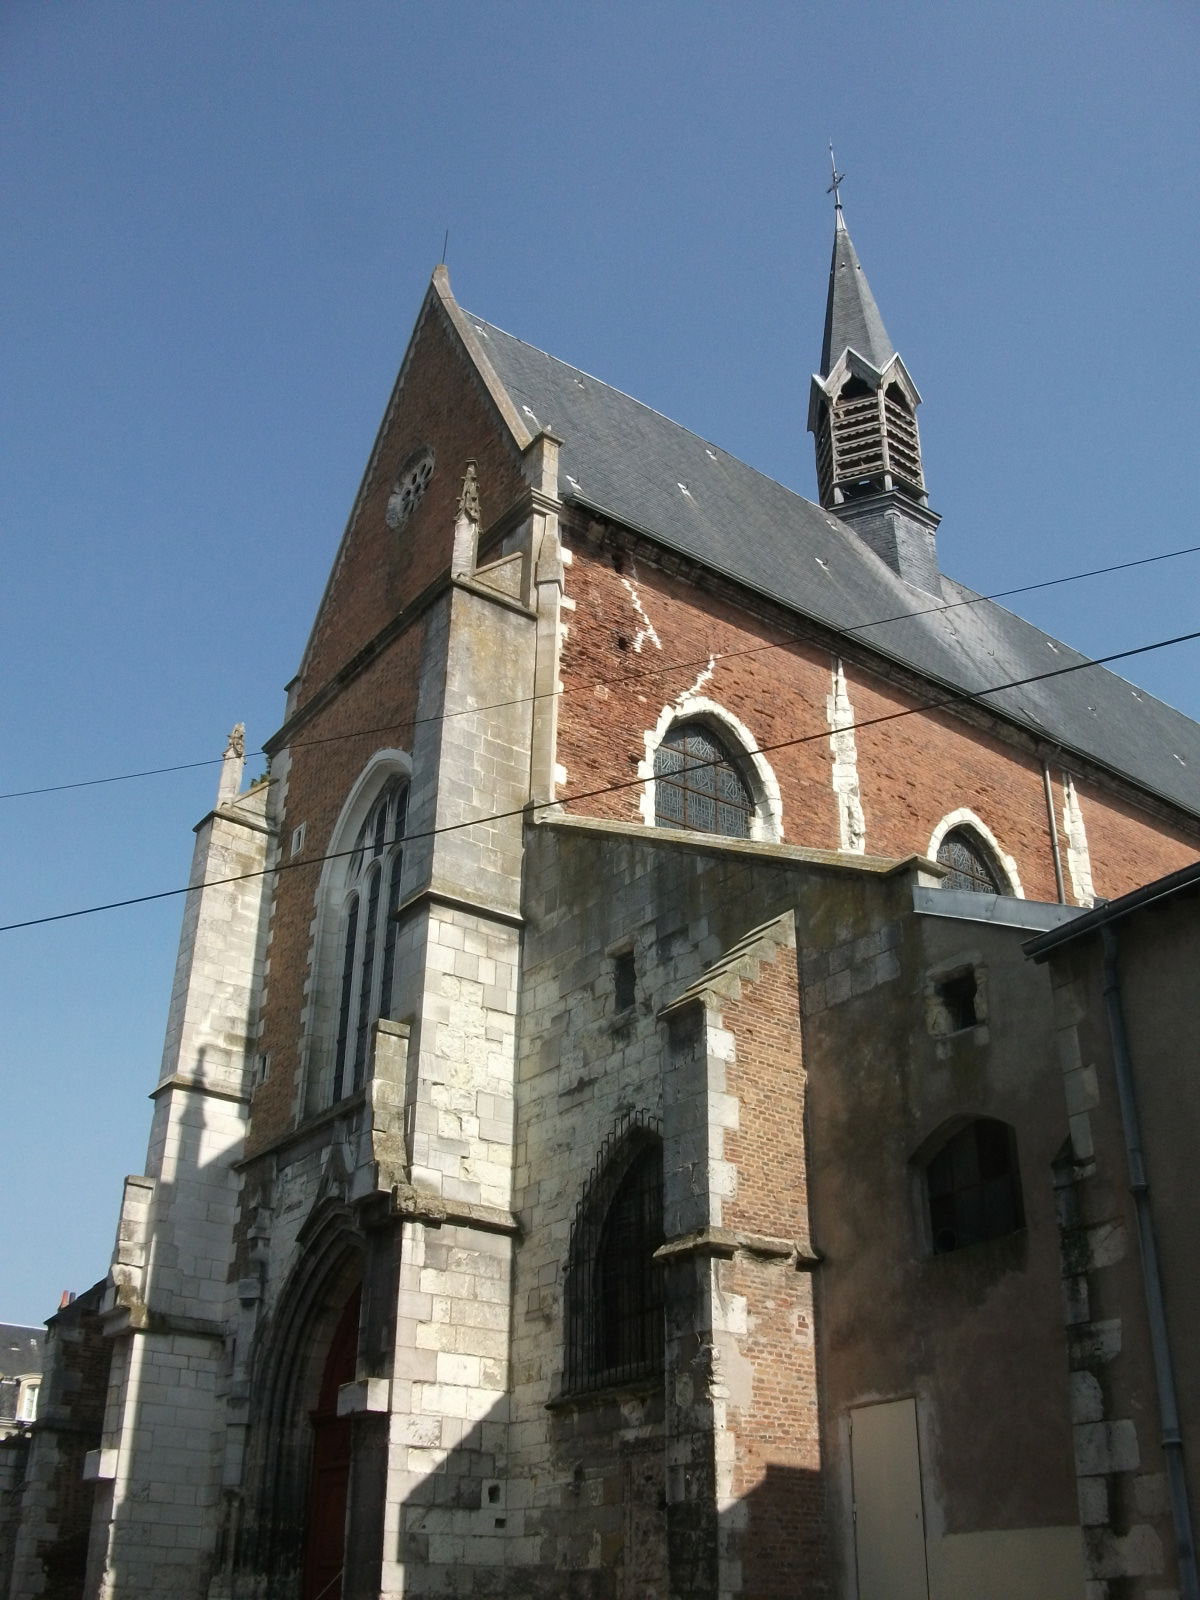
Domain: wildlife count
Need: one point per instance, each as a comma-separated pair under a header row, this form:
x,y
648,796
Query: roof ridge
x,y
626,454
633,399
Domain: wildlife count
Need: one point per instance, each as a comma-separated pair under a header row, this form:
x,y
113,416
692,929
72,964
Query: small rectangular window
x,y
624,981
958,994
298,838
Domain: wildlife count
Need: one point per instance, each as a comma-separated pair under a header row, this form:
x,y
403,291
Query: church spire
x,y
863,414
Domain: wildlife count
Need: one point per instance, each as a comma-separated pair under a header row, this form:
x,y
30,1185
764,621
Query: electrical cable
x,y
652,670
958,697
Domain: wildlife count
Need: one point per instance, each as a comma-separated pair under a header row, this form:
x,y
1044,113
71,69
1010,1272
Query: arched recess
x,y
977,834
766,819
353,947
294,1356
613,1287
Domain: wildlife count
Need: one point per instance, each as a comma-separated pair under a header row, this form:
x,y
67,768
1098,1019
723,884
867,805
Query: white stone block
x,y
100,1466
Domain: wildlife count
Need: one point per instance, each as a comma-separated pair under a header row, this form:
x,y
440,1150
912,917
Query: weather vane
x,y
834,188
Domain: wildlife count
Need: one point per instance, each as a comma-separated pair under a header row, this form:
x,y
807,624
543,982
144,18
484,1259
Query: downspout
x,y
1168,1408
1054,850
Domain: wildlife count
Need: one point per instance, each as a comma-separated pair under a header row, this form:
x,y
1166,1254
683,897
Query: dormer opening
x,y
855,389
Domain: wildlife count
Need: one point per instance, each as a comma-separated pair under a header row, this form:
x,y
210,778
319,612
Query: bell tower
x,y
862,412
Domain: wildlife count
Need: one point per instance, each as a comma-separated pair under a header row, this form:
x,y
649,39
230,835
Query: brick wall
x,y
323,762
438,402
767,1080
640,638
783,1542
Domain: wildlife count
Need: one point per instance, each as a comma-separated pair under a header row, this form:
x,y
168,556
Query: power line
x,y
956,698
653,670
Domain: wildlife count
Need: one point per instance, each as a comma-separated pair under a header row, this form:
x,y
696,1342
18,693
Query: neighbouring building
x,y
610,1141
1125,990
21,1354
47,1555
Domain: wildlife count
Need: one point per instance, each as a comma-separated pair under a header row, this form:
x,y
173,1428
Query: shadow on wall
x,y
595,1521
780,1531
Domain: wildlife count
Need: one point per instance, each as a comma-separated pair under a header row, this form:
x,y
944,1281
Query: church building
x,y
610,1142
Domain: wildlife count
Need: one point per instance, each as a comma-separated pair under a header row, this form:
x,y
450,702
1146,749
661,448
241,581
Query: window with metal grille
x,y
613,1290
697,784
974,1186
368,948
970,862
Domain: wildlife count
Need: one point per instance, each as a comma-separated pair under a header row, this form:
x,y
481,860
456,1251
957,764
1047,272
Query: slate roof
x,y
637,467
852,320
21,1349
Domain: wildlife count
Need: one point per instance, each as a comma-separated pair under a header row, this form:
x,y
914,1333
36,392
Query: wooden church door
x,y
329,1483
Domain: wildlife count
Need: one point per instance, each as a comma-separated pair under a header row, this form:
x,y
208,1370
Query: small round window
x,y
407,490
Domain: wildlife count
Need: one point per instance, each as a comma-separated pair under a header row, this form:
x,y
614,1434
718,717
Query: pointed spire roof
x,y
852,318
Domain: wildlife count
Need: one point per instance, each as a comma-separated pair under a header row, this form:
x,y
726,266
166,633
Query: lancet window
x,y
614,1290
368,941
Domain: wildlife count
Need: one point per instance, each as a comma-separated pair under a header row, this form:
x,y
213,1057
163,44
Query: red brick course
x,y
777,1471
441,403
767,1080
912,771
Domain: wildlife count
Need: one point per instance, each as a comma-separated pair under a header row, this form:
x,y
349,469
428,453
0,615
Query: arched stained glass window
x,y
697,784
970,862
369,934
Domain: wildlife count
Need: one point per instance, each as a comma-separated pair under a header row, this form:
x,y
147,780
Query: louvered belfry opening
x,y
867,443
614,1287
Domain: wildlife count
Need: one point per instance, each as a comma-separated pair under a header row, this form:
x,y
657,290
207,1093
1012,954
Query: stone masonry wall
x,y
1124,1502
737,1435
157,1468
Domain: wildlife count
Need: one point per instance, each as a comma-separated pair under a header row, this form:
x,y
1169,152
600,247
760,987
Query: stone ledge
x,y
778,854
585,1399
99,1466
364,1394
474,584
455,902
424,1205
182,1080
726,1243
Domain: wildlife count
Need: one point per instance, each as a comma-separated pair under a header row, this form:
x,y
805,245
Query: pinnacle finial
x,y
233,761
835,188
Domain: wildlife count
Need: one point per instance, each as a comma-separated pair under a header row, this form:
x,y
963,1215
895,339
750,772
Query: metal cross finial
x,y
834,187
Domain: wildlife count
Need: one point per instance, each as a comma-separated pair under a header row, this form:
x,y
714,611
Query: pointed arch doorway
x,y
329,1479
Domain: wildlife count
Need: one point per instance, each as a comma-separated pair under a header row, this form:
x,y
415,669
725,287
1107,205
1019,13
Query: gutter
x,y
1107,912
1139,1188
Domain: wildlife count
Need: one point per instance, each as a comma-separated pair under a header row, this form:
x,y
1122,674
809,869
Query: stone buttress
x,y
157,1471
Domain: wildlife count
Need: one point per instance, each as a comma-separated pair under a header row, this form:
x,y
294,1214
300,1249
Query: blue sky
x,y
222,218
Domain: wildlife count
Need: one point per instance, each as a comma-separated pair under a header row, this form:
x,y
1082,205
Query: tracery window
x,y
369,928
970,862
408,489
613,1289
697,784
973,1186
